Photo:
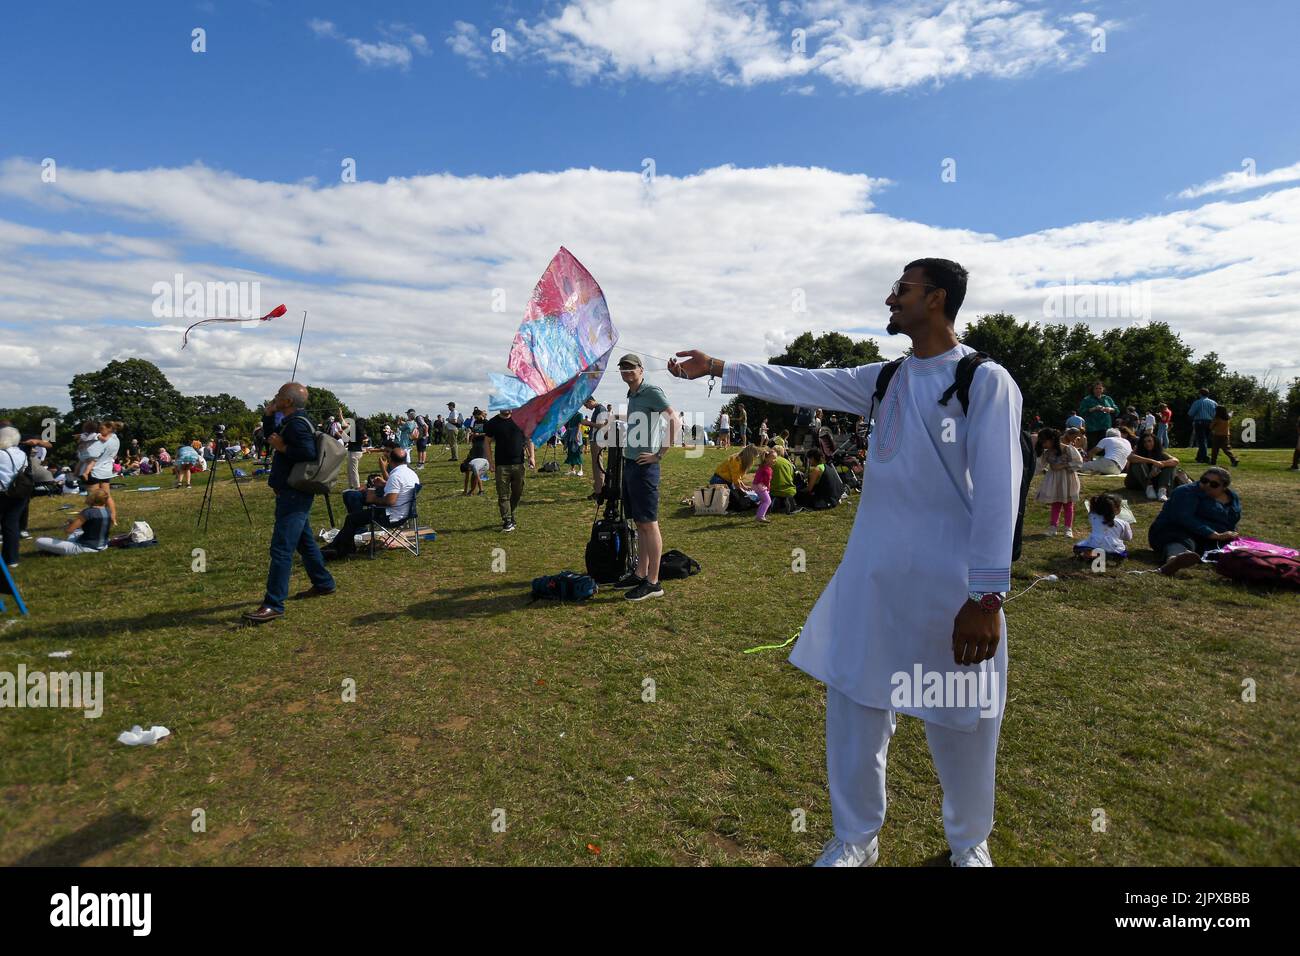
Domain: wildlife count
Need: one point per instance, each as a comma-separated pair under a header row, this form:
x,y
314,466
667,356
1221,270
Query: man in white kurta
x,y
933,531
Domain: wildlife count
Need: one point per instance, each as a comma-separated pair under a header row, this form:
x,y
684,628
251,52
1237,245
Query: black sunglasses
x,y
1211,484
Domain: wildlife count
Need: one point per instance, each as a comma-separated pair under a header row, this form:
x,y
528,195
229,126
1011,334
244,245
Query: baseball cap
x,y
630,359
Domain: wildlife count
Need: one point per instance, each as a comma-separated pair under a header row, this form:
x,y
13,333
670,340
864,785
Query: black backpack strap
x,y
965,375
883,379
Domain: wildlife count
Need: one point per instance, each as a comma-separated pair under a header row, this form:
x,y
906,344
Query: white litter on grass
x,y
561,735
628,779
59,654
135,736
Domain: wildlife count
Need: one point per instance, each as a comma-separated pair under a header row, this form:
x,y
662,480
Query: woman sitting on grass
x,y
87,532
1109,531
1197,518
1151,469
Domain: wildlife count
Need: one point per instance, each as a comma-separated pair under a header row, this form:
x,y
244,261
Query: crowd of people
x,y
1196,516
930,614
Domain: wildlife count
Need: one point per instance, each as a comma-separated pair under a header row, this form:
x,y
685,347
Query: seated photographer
x,y
388,507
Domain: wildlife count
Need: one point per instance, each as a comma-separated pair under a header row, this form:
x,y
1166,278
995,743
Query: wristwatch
x,y
990,601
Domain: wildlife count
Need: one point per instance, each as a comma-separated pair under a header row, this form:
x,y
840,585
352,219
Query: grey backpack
x,y
317,476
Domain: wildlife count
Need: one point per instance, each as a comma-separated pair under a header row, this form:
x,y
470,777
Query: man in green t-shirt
x,y
646,407
1097,410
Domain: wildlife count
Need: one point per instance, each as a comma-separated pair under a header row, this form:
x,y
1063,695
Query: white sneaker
x,y
838,853
1051,531
1163,496
975,856
1151,493
1069,533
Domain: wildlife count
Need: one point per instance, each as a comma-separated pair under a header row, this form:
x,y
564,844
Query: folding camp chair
x,y
395,533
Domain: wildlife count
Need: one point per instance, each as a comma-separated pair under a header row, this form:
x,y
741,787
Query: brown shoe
x,y
262,615
314,591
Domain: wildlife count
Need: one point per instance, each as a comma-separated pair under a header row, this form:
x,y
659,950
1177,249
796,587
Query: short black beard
x,y
892,328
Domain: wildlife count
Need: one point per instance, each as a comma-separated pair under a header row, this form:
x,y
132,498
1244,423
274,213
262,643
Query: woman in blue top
x,y
87,532
1196,518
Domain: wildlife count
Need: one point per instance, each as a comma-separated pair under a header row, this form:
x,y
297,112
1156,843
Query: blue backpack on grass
x,y
565,586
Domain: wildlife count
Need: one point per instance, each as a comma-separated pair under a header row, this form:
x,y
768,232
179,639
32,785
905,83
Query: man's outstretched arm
x,y
842,389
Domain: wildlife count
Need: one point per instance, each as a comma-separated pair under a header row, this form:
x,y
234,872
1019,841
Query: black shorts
x,y
421,444
92,482
641,491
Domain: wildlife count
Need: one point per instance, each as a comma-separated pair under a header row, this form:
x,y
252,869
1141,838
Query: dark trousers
x,y
510,488
1094,439
359,516
1141,476
293,532
1224,445
11,513
1201,439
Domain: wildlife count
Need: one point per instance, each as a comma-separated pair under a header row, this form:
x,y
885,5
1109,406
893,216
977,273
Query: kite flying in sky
x,y
275,313
560,351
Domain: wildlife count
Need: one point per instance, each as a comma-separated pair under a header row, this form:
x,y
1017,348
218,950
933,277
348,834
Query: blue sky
x,y
1168,104
1183,93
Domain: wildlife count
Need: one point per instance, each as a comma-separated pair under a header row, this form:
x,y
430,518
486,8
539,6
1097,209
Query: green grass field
x,y
1125,697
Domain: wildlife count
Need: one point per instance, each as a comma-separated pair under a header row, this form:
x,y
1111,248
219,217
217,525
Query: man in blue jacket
x,y
294,441
1201,412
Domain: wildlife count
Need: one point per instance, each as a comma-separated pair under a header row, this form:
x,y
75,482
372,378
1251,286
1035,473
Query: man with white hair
x,y
13,459
1114,452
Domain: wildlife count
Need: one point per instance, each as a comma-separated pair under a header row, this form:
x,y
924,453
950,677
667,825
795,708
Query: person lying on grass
x,y
1196,519
87,533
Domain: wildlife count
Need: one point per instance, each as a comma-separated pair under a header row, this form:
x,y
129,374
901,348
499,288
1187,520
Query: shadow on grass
x,y
146,622
453,603
91,840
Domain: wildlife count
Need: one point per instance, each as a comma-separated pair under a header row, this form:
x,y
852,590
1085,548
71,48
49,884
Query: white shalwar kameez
x,y
939,501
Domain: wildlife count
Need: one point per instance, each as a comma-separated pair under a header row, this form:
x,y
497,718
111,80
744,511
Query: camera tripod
x,y
205,505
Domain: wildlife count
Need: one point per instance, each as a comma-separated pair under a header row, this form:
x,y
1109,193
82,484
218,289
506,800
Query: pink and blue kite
x,y
560,351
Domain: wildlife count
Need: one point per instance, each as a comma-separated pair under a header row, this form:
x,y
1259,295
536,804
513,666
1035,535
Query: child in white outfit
x,y
1109,531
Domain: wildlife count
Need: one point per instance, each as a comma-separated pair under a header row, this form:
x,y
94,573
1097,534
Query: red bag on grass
x,y
1259,567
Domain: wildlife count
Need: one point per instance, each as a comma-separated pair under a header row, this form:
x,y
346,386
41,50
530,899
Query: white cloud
x,y
883,46
399,277
1243,179
396,49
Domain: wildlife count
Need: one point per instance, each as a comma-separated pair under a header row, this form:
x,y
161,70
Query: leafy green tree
x,y
134,392
30,419
829,350
228,410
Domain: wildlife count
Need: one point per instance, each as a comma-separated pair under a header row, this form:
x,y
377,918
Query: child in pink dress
x,y
763,486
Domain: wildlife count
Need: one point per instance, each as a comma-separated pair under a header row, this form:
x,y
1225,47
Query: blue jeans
x,y
293,532
1201,438
1162,434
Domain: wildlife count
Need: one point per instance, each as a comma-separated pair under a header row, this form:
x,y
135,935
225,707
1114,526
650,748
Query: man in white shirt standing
x,y
928,612
388,507
724,430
